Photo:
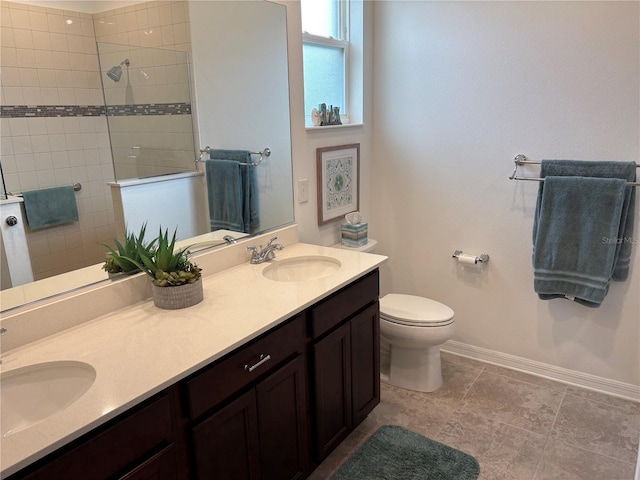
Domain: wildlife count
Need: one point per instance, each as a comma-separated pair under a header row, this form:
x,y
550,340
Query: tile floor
x,y
519,427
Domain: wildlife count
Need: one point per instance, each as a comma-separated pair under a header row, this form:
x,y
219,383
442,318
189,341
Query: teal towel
x,y
250,211
224,185
601,169
49,207
571,257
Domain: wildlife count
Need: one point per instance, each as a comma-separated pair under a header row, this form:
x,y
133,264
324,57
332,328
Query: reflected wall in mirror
x,y
253,92
55,130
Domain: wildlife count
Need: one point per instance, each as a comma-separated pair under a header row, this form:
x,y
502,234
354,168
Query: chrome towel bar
x,y
76,188
264,153
521,159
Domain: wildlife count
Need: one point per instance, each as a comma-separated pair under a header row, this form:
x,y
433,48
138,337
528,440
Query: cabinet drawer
x,y
244,366
341,305
120,445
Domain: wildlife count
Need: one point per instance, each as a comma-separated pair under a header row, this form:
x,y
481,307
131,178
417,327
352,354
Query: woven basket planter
x,y
174,298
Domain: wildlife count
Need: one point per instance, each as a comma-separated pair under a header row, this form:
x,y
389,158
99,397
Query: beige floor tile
x,y
565,462
425,413
598,427
331,464
626,405
513,402
503,452
525,377
412,410
518,426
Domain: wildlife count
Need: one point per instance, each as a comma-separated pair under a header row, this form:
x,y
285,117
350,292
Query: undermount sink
x,y
29,395
298,269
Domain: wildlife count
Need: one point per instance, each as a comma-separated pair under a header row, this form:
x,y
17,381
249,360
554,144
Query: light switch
x,y
303,190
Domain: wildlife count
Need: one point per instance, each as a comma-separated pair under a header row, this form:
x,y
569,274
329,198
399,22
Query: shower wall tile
x,y
48,61
148,24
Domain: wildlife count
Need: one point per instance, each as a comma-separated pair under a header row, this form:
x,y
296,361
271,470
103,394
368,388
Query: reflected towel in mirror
x,y
49,207
249,200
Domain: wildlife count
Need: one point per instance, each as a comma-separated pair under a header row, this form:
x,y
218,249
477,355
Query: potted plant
x,y
118,260
177,282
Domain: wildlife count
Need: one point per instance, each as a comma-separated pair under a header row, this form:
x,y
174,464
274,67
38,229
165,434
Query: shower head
x,y
114,73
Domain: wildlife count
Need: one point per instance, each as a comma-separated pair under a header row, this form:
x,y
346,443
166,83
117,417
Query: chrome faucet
x,y
229,239
266,253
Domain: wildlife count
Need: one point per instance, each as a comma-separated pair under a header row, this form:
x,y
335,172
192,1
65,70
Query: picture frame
x,y
338,172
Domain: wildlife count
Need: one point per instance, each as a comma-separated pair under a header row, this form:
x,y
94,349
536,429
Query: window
x,y
326,52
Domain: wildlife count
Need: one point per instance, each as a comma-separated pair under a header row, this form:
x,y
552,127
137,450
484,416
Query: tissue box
x,y
354,235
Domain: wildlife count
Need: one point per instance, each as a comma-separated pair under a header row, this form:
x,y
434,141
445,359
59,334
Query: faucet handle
x,y
277,246
253,250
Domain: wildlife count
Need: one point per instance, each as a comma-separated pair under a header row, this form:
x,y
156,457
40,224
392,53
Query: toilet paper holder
x,y
482,258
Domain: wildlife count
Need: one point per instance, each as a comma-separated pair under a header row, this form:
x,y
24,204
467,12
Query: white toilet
x,y
412,329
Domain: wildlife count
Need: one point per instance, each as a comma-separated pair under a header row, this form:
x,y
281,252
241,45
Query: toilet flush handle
x,y
12,220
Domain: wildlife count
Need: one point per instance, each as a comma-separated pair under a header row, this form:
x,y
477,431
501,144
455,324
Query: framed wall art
x,y
338,181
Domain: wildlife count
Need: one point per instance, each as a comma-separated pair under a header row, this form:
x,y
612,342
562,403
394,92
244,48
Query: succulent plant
x,y
111,266
165,265
120,258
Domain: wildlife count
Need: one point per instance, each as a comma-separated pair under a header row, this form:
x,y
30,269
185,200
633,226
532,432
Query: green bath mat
x,y
395,453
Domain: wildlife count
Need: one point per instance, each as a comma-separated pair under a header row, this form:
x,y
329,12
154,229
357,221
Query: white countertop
x,y
139,350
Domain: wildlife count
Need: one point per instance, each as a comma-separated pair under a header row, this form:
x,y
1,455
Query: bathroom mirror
x,y
239,92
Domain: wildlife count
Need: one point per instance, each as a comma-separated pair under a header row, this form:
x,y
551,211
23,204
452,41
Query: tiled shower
x,y
53,124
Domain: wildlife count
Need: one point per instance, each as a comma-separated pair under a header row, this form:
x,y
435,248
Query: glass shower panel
x,y
148,107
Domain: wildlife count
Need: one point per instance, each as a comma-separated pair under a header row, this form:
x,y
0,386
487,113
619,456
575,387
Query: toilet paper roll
x,y
467,259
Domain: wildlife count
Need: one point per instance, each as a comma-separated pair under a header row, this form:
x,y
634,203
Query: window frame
x,y
345,45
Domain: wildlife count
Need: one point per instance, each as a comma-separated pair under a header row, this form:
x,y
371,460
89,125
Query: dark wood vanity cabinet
x,y
270,410
345,358
262,433
141,444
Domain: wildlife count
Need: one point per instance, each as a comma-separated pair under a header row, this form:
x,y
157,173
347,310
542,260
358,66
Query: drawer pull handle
x,y
263,359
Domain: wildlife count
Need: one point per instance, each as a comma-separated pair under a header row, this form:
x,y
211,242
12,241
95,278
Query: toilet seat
x,y
414,311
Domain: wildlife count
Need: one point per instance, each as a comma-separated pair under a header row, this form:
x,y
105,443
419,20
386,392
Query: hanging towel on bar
x,y
570,257
250,211
601,169
49,207
226,195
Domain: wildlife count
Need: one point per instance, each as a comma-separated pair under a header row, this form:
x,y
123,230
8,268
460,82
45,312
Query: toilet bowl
x,y
413,328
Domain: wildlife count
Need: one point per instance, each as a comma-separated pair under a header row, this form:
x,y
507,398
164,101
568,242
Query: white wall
x,y
459,89
304,142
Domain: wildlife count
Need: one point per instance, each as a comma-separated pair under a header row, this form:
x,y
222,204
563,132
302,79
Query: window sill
x,y
332,127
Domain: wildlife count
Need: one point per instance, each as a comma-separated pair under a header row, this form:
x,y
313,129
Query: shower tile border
x,y
176,108
29,111
143,109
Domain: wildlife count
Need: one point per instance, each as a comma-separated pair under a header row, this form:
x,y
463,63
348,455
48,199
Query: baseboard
x,y
539,369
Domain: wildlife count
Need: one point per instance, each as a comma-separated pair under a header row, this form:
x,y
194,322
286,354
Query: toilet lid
x,y
414,310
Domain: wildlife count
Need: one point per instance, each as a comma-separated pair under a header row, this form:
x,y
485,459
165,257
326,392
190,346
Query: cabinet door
x,y
365,362
332,389
162,466
226,444
282,414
